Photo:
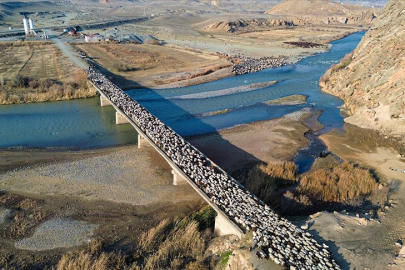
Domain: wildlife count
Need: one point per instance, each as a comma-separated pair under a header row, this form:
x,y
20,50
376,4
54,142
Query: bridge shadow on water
x,y
210,143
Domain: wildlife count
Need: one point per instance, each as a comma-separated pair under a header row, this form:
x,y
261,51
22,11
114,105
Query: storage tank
x,y
31,24
26,27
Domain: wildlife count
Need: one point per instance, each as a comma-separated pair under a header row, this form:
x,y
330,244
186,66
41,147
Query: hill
x,y
324,11
371,80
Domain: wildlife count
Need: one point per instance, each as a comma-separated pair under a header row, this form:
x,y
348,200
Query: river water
x,y
84,124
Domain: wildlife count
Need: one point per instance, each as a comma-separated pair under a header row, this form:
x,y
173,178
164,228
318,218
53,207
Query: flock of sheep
x,y
250,65
274,236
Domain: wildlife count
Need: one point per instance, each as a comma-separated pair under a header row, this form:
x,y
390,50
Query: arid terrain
x,y
121,200
38,71
370,81
123,196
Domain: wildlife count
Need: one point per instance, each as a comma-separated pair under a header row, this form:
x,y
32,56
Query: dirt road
x,y
67,50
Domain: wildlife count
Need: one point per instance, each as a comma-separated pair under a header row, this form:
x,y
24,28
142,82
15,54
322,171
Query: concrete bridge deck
x,y
238,210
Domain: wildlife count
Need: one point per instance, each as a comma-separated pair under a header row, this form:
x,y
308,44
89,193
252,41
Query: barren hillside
x,y
371,81
241,25
323,11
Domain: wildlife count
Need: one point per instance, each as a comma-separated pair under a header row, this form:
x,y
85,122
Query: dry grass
x,y
26,90
138,57
334,187
148,65
265,180
344,62
92,257
341,184
172,244
150,240
26,215
178,244
341,187
183,245
37,71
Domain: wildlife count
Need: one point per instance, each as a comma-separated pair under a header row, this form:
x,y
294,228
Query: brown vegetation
x,y
265,180
133,55
178,244
37,71
343,185
147,65
344,62
91,257
172,244
26,215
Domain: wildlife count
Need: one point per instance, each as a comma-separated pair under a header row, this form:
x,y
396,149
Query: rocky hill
x,y
242,25
324,11
371,80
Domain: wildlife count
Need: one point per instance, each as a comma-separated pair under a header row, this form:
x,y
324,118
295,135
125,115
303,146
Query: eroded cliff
x,y
371,80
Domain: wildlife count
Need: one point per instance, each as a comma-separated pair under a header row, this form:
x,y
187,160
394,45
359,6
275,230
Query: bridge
x,y
238,211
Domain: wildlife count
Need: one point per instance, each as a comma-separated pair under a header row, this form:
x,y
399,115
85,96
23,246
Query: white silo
x,y
26,27
31,24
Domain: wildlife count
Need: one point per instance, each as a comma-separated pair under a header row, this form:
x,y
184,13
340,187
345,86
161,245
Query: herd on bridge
x,y
273,236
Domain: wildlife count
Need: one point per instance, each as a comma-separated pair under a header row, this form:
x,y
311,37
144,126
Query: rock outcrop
x,y
371,80
242,26
323,12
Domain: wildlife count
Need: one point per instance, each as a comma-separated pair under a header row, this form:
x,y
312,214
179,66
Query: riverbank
x,y
94,185
36,71
362,239
150,66
123,190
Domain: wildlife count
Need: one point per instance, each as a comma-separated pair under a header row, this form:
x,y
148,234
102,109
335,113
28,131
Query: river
x,y
84,124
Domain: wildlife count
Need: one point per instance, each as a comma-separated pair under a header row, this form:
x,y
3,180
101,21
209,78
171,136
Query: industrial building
x,y
29,27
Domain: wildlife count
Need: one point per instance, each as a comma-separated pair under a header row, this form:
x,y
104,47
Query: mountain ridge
x,y
371,79
324,11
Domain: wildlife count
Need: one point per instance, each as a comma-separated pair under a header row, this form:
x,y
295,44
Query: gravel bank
x,y
58,233
225,92
126,175
4,214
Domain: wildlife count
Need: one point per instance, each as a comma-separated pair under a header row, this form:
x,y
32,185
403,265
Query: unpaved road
x,y
67,50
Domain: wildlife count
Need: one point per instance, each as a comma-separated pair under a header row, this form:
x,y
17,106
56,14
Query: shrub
x,y
343,63
177,244
341,184
182,246
34,84
45,84
18,81
123,67
265,180
92,257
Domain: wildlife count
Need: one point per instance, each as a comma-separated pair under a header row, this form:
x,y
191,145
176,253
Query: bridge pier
x,y
177,178
104,102
141,140
120,119
223,226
